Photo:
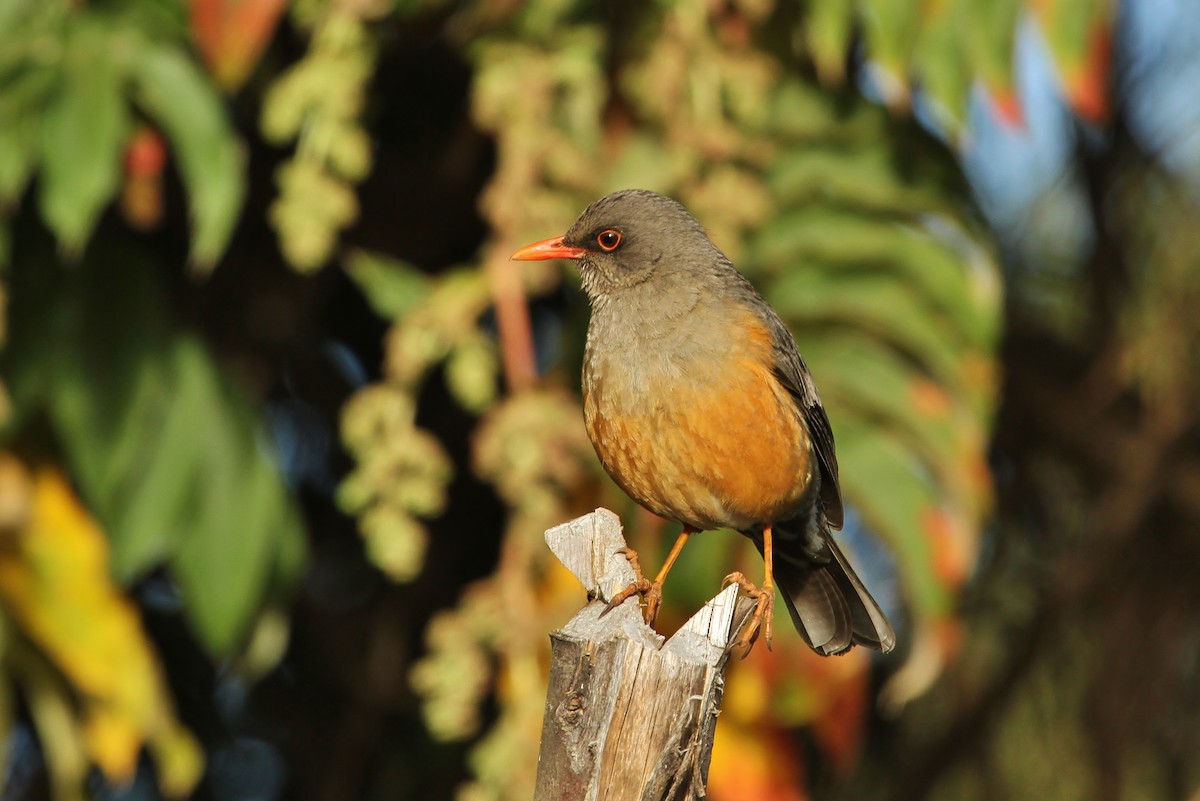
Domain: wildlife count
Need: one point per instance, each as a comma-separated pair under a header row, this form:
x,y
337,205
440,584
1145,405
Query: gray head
x,y
633,238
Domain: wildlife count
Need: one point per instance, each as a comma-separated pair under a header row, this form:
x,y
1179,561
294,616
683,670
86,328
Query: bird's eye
x,y
609,239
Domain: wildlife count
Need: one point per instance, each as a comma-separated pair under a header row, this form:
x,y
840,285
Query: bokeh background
x,y
282,426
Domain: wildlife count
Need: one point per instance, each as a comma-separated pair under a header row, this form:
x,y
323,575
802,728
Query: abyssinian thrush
x,y
702,410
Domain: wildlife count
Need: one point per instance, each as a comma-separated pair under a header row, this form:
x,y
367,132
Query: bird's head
x,y
628,239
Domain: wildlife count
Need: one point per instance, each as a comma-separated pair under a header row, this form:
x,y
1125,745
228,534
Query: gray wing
x,y
793,373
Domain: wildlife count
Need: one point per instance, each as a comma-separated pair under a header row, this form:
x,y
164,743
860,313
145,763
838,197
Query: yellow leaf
x,y
179,759
55,585
113,741
51,710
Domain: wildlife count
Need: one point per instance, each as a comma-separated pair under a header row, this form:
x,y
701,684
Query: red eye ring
x,y
608,239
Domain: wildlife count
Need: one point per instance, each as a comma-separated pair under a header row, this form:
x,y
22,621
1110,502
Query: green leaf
x,y
886,484
237,506
173,90
647,162
881,305
21,103
803,113
1067,26
153,489
84,128
881,389
891,28
829,25
940,61
866,178
33,34
990,32
392,287
847,243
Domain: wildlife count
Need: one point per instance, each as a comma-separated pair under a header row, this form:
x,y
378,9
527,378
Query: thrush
x,y
701,409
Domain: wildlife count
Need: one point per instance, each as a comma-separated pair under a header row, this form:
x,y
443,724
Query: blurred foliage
x,y
820,144
163,449
106,387
402,471
166,455
1052,696
73,85
936,54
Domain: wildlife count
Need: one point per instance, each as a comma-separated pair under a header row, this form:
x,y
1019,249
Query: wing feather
x,y
793,373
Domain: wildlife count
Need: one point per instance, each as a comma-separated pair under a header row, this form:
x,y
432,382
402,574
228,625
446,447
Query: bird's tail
x,y
830,606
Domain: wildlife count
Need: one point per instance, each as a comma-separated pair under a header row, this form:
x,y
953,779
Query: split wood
x,y
628,716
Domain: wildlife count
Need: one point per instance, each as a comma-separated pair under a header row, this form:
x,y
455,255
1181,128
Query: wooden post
x,y
627,715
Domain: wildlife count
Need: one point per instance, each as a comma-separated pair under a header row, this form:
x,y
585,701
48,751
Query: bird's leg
x,y
650,590
764,611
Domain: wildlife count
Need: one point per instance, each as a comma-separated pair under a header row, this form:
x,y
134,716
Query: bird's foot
x,y
764,611
651,591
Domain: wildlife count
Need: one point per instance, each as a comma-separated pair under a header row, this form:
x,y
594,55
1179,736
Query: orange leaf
x,y
1007,106
1079,34
951,559
929,398
1087,89
754,763
231,35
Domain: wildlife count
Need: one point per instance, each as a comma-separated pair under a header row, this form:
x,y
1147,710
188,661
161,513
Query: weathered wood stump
x,y
629,716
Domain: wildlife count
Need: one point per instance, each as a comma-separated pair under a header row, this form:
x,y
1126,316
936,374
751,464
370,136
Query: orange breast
x,y
730,451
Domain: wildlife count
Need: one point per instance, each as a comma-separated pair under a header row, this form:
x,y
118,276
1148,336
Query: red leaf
x,y
146,154
141,191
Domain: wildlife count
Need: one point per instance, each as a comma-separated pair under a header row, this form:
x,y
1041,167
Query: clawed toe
x,y
761,621
651,591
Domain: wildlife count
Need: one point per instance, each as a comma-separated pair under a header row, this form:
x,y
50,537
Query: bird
x,y
700,407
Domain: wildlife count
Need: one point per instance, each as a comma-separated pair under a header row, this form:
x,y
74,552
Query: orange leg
x,y
650,590
764,610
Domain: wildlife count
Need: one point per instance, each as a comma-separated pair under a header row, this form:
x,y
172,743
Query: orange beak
x,y
548,249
